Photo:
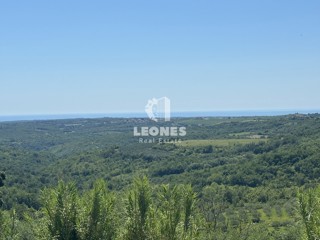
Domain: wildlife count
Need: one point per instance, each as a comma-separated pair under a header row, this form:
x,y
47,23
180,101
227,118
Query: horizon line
x,y
176,114
312,110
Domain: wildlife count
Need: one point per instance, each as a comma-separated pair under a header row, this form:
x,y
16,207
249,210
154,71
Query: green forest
x,y
228,178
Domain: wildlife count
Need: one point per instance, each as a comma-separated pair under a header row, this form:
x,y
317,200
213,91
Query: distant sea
x,y
143,115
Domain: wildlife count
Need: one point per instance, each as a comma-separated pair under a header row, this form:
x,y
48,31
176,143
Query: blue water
x,y
249,113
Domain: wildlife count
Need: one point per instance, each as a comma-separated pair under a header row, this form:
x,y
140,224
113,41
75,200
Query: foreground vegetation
x,y
240,178
143,212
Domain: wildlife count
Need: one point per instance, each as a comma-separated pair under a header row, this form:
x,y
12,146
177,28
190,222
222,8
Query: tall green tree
x,y
139,212
2,218
60,206
309,203
2,178
189,202
99,220
170,211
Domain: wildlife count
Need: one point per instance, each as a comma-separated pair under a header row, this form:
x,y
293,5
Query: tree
x,y
2,178
309,204
99,220
70,216
170,211
61,210
139,211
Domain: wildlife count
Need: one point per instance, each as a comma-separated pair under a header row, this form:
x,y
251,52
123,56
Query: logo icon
x,y
158,109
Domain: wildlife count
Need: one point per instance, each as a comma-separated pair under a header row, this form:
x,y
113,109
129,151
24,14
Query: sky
x,y
64,57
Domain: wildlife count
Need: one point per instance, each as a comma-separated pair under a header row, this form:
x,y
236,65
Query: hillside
x,y
243,169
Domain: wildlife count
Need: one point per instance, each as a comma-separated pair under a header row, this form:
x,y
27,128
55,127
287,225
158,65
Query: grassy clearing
x,y
218,142
241,134
275,217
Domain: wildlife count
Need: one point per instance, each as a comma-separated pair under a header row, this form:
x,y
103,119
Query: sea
x,y
244,113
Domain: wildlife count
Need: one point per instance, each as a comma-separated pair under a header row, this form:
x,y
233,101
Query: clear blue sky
x,y
112,56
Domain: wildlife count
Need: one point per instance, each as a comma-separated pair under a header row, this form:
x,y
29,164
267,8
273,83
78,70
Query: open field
x,y
219,142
